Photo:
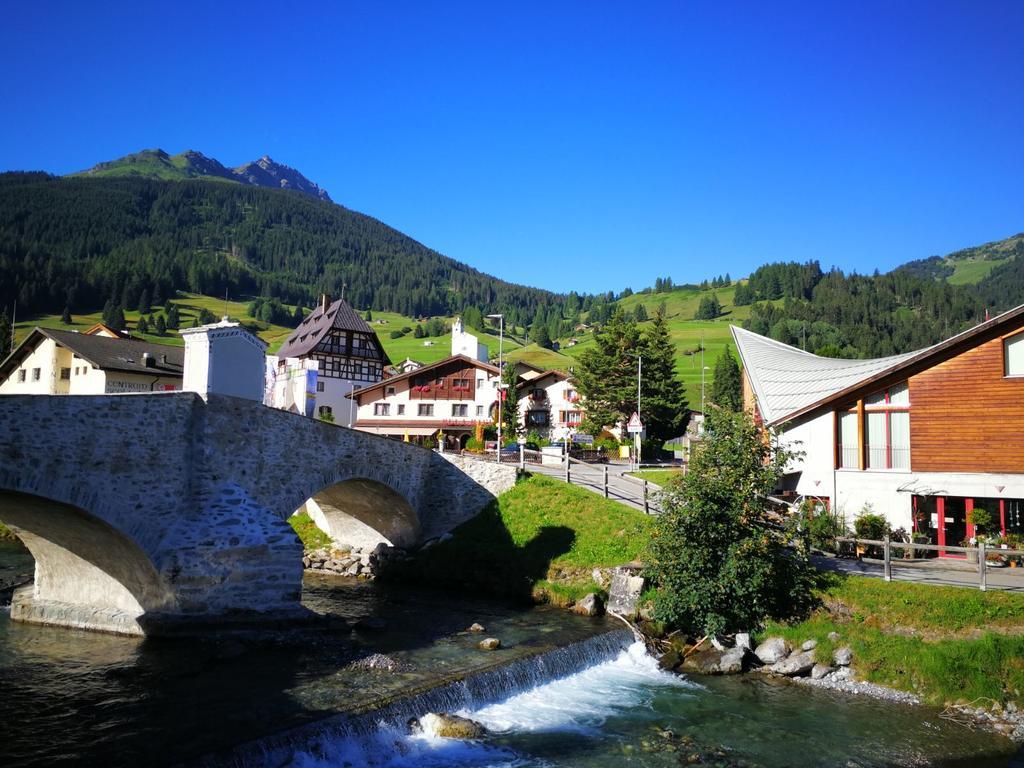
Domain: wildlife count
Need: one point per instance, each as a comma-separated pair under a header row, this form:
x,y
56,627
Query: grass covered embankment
x,y
945,644
311,536
657,476
540,540
6,534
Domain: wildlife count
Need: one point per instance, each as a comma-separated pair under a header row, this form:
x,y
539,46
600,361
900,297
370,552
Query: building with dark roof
x,y
57,362
923,438
347,350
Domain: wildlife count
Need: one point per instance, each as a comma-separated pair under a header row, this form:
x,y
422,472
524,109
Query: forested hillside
x,y
80,242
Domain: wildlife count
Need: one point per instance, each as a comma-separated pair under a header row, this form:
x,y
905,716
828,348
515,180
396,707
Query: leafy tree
x,y
606,374
709,308
160,326
663,399
65,317
720,564
727,387
6,334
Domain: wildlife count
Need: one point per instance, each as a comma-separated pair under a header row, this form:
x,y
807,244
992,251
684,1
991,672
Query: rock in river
x,y
474,627
489,644
448,726
795,665
590,605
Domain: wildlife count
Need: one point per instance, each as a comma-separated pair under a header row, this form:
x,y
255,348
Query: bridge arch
x,y
82,561
362,513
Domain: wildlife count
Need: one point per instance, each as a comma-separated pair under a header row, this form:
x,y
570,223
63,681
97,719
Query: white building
x,y
57,362
922,438
225,359
549,404
347,350
291,384
465,343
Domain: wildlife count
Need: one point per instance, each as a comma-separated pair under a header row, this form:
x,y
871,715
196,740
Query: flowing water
x,y
564,691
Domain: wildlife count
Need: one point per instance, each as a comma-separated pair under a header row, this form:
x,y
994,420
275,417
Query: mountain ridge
x,y
192,164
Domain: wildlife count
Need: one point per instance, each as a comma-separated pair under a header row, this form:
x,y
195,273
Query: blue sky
x,y
585,146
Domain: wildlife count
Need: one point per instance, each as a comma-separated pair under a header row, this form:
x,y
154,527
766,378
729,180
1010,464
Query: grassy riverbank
x,y
6,533
945,644
312,537
540,540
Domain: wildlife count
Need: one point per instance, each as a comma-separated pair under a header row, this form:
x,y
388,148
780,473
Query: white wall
x,y
814,438
483,397
224,359
555,390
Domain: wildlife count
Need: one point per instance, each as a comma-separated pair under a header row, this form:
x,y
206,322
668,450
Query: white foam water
x,y
578,703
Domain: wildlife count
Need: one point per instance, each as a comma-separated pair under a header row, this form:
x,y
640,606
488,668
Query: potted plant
x,y
869,525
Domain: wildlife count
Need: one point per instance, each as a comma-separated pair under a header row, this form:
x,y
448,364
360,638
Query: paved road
x,y
591,476
934,571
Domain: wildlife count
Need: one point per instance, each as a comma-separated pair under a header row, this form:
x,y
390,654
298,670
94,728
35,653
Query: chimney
x,y
163,359
325,302
148,360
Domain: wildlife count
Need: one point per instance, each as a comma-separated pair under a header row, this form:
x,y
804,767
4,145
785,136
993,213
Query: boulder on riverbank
x,y
489,644
772,650
590,605
731,661
794,665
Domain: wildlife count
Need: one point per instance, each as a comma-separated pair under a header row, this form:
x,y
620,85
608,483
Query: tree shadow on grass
x,y
482,558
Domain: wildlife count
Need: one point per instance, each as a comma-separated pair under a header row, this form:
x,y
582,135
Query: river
x,y
80,698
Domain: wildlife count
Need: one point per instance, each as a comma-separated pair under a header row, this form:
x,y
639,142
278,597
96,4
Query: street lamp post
x,y
501,337
703,368
639,374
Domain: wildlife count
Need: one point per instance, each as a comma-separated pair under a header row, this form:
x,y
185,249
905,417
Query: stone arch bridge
x,y
161,512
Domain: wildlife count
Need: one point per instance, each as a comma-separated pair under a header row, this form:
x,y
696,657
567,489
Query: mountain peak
x,y
193,164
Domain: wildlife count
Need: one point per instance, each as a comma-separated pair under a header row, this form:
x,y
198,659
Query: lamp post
x,y
703,368
501,337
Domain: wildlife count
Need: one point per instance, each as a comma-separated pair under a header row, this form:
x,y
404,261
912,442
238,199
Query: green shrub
x,y
980,518
474,445
396,334
821,525
869,525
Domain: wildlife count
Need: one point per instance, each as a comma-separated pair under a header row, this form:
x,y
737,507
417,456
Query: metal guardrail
x,y
982,552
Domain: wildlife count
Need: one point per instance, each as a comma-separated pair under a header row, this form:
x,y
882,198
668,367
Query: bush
x,y
869,525
720,564
429,442
474,445
821,525
981,519
396,334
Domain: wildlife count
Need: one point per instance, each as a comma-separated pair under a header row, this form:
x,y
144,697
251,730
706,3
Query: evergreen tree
x,y
709,308
472,317
663,403
6,334
641,313
418,331
205,317
113,316
539,335
297,315
606,374
173,317
369,316
158,298
510,423
65,316
142,327
160,327
726,386
144,302
743,295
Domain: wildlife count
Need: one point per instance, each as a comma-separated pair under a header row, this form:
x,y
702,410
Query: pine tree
x,y
160,325
709,308
539,335
65,317
369,315
663,398
144,302
417,332
510,424
726,387
158,298
173,317
606,374
641,313
142,327
6,334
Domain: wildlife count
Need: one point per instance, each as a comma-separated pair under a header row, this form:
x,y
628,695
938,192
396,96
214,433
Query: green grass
x,y
6,534
972,271
946,644
657,476
540,540
311,536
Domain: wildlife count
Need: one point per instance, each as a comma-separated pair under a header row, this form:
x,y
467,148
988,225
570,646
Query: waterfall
x,y
381,737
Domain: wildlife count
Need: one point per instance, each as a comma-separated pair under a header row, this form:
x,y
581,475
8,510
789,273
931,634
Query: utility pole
x,y
501,373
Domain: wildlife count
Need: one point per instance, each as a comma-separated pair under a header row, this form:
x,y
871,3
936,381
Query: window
x,y
462,384
479,383
381,409
325,410
1013,355
319,386
65,374
21,375
479,410
460,410
35,374
425,409
847,442
390,391
888,428
570,418
537,418
537,394
401,409
571,395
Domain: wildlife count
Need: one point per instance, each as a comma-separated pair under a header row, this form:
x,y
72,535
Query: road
x,y
940,571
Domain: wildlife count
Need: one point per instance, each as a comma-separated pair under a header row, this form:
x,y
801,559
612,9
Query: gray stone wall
x,y
199,491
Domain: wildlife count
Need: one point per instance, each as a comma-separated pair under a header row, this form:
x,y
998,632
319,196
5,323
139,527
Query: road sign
x,y
635,426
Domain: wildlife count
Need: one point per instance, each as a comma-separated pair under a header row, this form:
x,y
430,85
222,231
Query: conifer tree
x,y
369,316
663,404
641,313
297,315
510,424
144,302
539,335
160,325
142,327
65,317
606,374
6,334
173,317
726,387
